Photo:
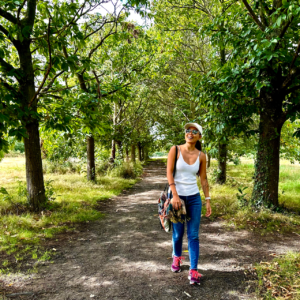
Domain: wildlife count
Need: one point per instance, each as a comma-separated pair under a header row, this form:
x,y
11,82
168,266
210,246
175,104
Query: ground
x,y
127,256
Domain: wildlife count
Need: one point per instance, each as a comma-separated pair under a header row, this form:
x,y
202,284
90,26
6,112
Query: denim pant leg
x,y
177,236
193,206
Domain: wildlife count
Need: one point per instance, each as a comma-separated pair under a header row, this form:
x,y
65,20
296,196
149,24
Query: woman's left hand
x,y
208,209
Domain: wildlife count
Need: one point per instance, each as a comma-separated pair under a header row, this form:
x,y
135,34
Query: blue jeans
x,y
193,208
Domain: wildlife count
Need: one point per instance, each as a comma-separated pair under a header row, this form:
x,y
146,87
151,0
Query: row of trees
x,y
73,72
239,69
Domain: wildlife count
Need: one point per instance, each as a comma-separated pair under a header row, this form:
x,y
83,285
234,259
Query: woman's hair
x,y
198,146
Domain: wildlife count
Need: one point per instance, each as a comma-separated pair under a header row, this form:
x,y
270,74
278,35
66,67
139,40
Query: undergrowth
x,y
117,169
71,199
231,201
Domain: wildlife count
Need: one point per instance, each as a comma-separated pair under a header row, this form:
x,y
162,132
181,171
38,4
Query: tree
x,y
32,34
187,18
262,76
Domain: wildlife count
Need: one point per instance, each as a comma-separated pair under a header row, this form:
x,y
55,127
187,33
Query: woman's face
x,y
191,137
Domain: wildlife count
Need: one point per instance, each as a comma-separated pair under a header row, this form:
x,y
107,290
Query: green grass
x,y
75,201
225,204
280,279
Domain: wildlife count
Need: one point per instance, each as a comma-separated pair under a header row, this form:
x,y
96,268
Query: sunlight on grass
x,y
75,201
225,204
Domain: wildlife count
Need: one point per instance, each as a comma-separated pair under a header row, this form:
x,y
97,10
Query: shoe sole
x,y
174,271
193,282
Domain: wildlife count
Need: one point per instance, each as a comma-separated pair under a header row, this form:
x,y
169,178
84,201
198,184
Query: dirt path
x,y
126,255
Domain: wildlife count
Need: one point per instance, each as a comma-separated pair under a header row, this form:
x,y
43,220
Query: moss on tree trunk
x,y
266,178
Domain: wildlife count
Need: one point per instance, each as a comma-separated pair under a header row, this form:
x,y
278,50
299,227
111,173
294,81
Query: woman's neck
x,y
189,147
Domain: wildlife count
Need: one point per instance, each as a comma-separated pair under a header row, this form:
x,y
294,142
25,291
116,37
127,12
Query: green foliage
x,y
63,167
1,155
239,212
127,170
242,201
19,147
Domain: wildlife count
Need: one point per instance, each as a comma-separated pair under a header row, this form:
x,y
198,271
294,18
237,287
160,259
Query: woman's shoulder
x,y
202,156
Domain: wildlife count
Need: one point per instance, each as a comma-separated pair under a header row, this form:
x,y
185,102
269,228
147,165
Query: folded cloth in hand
x,y
178,215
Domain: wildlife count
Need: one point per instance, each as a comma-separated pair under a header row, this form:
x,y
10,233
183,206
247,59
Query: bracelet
x,y
172,184
207,198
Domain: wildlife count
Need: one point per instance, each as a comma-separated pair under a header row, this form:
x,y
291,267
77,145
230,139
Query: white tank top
x,y
186,176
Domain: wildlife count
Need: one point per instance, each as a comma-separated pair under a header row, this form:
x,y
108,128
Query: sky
x,y
114,6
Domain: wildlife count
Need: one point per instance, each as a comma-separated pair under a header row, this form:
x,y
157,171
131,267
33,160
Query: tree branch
x,y
9,17
282,33
19,10
5,31
49,85
49,67
290,73
98,84
30,13
293,89
253,15
266,8
6,66
7,86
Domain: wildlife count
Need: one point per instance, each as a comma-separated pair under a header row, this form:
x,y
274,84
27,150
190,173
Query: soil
x,y
126,255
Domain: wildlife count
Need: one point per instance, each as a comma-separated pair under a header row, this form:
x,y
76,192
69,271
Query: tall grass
x,y
225,202
73,200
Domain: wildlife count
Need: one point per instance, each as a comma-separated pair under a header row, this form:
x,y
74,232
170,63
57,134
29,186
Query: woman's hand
x,y
176,203
208,208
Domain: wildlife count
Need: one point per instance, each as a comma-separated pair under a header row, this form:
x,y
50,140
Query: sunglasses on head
x,y
193,131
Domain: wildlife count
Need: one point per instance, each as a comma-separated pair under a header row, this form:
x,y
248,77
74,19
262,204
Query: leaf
x,y
3,191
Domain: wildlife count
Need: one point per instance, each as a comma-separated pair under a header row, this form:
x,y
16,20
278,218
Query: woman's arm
x,y
170,167
204,183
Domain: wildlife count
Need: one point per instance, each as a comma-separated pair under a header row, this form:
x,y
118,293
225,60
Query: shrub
x,y
61,167
127,170
103,167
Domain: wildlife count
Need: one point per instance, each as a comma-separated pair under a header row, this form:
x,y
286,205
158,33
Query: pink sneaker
x,y
194,277
176,264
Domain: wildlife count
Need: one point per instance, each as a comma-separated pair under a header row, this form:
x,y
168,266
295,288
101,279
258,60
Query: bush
x,y
62,167
103,167
127,170
19,147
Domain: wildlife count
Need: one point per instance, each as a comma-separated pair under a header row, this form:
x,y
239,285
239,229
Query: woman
x,y
190,163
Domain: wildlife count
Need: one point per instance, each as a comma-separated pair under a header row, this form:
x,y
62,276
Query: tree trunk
x,y
222,160
91,175
208,160
140,151
127,153
113,151
221,177
120,150
266,178
146,153
91,158
34,167
133,152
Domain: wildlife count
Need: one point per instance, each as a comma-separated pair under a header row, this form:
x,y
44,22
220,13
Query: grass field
x,y
73,200
225,203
